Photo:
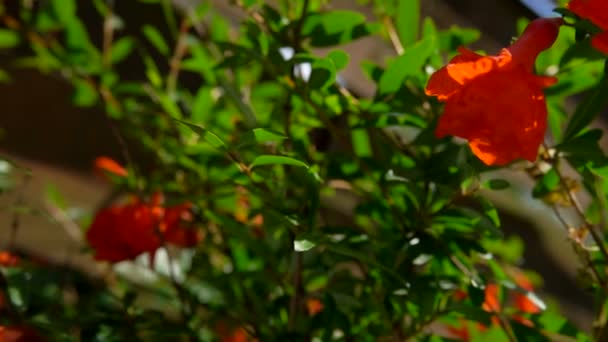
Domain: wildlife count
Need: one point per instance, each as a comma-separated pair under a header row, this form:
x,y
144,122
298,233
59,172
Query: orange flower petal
x,y
502,114
109,165
491,302
462,68
496,102
524,304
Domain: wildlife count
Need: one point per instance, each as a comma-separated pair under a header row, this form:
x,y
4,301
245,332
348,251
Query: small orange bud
x,y
106,164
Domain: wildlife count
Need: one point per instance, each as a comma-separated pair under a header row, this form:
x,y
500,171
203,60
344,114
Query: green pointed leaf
x,y
547,184
407,65
277,160
336,27
259,136
339,57
206,134
156,39
121,49
323,74
303,245
263,135
8,39
590,108
496,184
407,21
65,10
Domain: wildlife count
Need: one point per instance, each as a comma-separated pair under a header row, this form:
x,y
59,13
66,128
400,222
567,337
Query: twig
x,y
297,284
582,252
297,39
108,35
16,220
577,206
393,36
69,226
181,47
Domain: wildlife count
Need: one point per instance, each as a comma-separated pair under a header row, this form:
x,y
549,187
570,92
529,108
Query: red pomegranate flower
x,y
123,232
497,102
595,11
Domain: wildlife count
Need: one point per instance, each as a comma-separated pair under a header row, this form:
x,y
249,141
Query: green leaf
x,y
8,39
407,21
206,134
578,53
587,110
496,184
259,136
526,333
339,57
323,74
277,160
407,65
476,294
65,10
456,36
547,184
361,143
303,245
584,149
156,39
584,145
489,210
121,49
335,27
4,76
85,95
263,135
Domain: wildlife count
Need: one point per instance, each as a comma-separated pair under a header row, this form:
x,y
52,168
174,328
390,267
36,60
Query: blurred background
x,y
56,143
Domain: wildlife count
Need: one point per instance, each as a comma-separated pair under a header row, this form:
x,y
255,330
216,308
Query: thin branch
x,y
108,35
16,220
297,284
393,36
181,48
579,209
297,40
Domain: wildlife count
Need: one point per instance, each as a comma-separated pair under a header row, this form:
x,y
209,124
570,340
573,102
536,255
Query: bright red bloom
x,y
121,233
597,12
496,102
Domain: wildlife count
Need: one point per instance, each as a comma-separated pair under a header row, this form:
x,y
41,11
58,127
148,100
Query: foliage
x,y
325,215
